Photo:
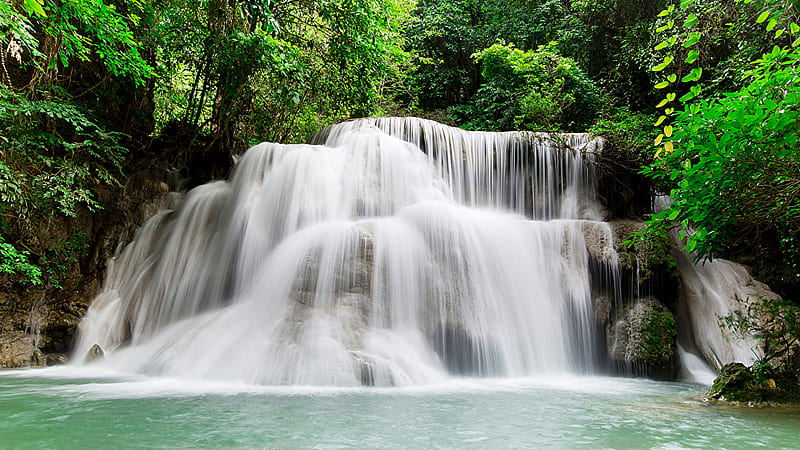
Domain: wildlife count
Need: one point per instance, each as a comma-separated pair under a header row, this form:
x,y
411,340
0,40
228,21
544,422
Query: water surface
x,y
71,408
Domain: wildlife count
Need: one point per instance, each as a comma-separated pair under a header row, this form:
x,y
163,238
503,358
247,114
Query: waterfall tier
x,y
392,252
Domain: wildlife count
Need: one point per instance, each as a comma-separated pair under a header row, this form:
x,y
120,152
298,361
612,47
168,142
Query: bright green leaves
x,y
17,262
34,7
679,21
692,39
694,91
670,79
694,75
665,27
670,97
737,164
667,61
531,90
763,16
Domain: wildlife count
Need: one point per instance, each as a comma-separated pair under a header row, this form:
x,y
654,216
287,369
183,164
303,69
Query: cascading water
x,y
395,251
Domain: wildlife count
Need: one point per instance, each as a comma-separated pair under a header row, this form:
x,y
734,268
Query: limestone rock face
x,y
18,350
709,291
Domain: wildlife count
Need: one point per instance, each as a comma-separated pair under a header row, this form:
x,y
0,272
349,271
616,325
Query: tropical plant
x,y
531,90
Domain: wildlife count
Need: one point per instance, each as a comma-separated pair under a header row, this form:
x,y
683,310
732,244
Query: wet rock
x,y
643,339
600,241
19,350
755,386
95,353
56,359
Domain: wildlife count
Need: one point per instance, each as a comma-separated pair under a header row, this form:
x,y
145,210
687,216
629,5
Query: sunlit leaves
x,y
35,7
694,75
692,39
667,61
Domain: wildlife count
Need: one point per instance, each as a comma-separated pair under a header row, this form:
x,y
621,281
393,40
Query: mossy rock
x,y
643,337
741,384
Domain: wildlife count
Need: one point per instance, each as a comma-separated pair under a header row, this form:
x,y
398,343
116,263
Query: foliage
x,y
52,153
773,320
730,159
628,133
443,36
243,76
16,262
531,90
736,166
659,332
53,35
757,384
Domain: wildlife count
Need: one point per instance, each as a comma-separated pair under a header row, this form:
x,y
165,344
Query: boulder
x,y
642,339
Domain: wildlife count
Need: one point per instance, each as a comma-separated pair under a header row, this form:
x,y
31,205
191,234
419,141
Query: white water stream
x,y
364,261
394,251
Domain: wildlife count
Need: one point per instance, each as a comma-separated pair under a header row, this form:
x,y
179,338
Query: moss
x,y
755,385
658,338
651,255
642,339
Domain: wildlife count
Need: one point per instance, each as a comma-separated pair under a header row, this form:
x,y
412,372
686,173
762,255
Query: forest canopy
x,y
90,86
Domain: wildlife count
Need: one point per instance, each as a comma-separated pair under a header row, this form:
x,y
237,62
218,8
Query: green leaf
x,y
662,85
35,7
692,56
763,16
667,61
794,28
692,39
673,214
772,24
688,96
661,45
691,21
666,27
694,75
672,78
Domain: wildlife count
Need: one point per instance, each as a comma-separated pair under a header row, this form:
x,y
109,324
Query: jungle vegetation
x,y
88,87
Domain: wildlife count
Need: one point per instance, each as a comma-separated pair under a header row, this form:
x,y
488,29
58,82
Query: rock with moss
x,y
648,257
754,386
643,339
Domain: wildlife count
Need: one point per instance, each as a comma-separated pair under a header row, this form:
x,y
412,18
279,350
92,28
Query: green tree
x,y
53,148
732,160
531,90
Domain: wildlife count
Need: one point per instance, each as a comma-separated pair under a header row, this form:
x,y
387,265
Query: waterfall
x,y
391,251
